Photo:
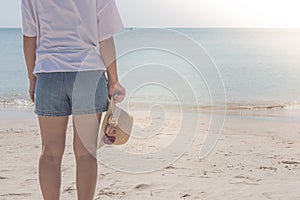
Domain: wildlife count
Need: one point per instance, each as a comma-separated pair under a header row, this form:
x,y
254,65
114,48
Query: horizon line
x,y
184,27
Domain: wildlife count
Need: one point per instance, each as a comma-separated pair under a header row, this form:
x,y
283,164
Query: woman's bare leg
x,y
53,134
86,129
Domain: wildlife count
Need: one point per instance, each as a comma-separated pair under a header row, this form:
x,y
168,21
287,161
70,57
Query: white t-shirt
x,y
69,31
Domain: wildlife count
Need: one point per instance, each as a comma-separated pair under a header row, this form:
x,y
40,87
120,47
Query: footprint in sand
x,y
290,162
185,195
170,167
15,194
142,186
108,193
268,168
246,180
71,188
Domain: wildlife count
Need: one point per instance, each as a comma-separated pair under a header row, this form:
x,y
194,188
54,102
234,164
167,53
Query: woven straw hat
x,y
123,126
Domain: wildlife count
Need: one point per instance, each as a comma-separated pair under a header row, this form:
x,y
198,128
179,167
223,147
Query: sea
x,y
251,68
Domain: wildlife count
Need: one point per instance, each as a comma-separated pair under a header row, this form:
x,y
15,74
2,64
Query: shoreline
x,y
15,113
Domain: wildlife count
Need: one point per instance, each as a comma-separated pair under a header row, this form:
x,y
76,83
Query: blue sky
x,y
190,13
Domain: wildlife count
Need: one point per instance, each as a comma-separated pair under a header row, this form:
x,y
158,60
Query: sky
x,y
190,13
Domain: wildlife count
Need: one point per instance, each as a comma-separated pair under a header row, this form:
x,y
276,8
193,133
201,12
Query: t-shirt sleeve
x,y
108,19
29,27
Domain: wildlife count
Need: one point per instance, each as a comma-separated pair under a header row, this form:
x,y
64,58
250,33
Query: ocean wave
x,y
15,101
23,102
264,106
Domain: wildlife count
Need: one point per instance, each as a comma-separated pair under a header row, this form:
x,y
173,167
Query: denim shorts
x,y
64,93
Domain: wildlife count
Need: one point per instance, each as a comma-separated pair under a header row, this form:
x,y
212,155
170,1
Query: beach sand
x,y
257,157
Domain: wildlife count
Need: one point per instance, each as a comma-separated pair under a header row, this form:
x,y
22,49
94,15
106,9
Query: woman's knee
x,y
83,152
53,151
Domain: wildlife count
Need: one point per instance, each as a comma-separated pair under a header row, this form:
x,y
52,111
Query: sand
x,y
257,157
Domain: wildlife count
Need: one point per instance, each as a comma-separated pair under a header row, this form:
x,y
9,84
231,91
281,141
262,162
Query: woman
x,y
68,45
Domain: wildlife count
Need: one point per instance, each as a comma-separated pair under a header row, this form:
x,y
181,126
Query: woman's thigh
x,y
86,129
53,134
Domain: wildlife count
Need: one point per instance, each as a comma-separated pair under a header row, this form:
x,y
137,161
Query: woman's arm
x,y
108,53
29,47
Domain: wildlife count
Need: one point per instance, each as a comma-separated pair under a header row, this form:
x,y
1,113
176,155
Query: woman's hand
x,y
32,82
117,91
